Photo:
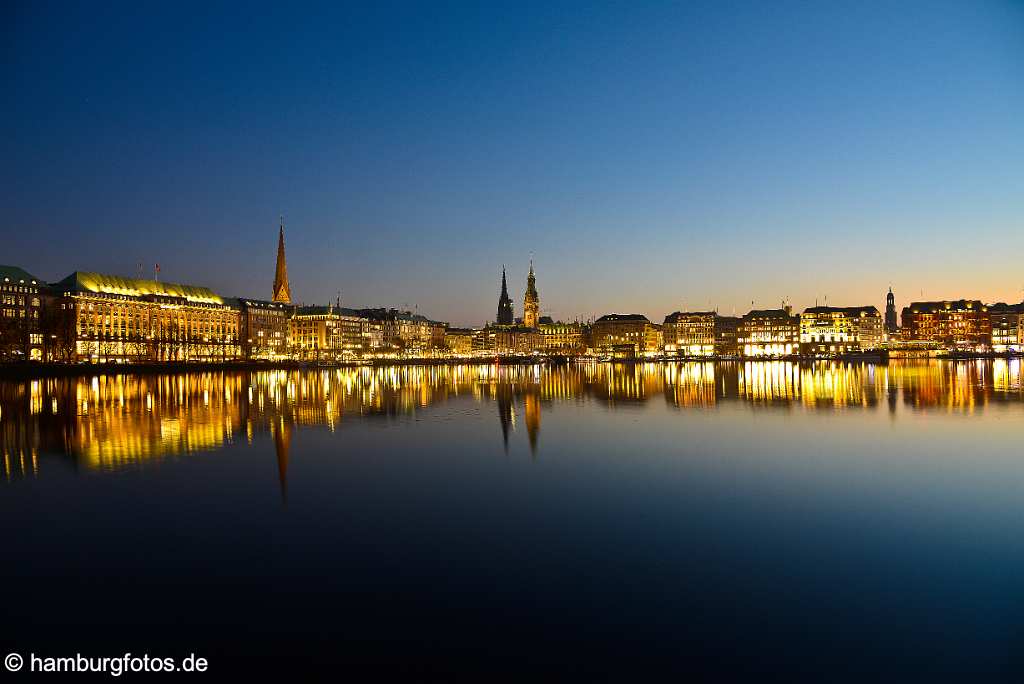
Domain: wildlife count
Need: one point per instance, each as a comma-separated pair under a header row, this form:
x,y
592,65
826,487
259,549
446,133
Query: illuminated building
x,y
891,326
531,301
727,329
326,332
1006,330
826,330
516,340
505,314
459,341
20,311
484,340
626,335
111,318
562,338
404,331
955,325
699,333
263,328
282,292
769,332
315,332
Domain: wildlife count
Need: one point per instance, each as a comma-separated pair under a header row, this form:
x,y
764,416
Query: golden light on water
x,y
110,422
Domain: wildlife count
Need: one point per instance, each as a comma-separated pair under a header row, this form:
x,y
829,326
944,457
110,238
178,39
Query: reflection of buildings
x,y
282,430
531,415
119,421
505,416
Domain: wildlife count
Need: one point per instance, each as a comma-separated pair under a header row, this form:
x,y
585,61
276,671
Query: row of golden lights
x,y
127,392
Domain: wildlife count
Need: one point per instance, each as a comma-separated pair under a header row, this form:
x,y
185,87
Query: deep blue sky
x,y
652,156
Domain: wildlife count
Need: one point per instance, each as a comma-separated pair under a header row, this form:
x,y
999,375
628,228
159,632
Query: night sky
x,y
651,156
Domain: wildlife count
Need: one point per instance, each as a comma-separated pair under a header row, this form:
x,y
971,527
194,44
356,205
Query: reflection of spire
x,y
505,410
532,415
282,445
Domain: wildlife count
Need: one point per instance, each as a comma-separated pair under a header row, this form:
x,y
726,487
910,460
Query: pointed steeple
x,y
505,314
531,301
282,292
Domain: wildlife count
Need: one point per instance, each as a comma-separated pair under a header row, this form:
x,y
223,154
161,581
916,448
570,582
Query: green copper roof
x,y
15,274
84,281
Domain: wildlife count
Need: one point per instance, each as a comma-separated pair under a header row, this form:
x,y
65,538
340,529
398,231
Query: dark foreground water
x,y
821,522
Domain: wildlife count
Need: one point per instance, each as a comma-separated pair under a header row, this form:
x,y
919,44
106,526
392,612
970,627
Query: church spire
x,y
531,301
505,315
282,292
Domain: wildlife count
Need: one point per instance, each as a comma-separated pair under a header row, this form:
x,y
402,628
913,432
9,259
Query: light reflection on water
x,y
110,422
822,519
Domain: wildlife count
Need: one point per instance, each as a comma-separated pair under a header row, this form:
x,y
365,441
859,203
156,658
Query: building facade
x,y
727,330
21,311
404,332
459,341
828,330
620,334
1007,334
264,328
315,333
769,332
108,318
563,339
963,324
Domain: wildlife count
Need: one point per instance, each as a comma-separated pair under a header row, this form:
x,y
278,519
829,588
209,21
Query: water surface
x,y
825,520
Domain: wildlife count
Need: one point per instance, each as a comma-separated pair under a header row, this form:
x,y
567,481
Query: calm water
x,y
826,521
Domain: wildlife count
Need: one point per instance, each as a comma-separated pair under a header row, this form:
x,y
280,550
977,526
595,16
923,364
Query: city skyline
x,y
651,158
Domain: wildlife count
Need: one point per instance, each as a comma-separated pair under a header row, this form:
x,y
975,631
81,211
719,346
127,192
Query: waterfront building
x,y
403,331
1007,335
891,326
21,307
459,341
110,318
826,330
727,330
483,340
769,332
505,313
626,335
531,301
354,331
700,333
263,327
516,340
315,333
282,291
568,339
962,324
